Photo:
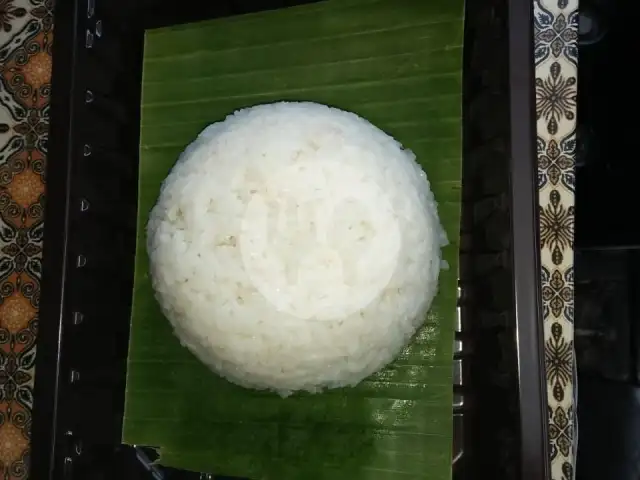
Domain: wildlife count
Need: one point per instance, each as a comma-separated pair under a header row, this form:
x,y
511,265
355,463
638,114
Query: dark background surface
x,y
607,263
77,419
607,176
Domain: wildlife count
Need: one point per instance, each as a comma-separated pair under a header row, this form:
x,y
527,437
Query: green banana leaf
x,y
397,63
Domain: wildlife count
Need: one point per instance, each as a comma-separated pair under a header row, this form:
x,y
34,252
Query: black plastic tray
x,y
500,406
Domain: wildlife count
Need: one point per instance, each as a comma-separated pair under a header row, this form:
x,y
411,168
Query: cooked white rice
x,y
295,247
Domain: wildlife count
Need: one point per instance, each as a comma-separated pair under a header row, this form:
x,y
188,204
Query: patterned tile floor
x,y
26,35
556,57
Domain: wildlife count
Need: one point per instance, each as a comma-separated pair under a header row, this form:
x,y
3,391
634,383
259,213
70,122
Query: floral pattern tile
x,y
556,58
26,35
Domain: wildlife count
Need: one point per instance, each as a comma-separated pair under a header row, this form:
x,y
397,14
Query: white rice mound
x,y
294,247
